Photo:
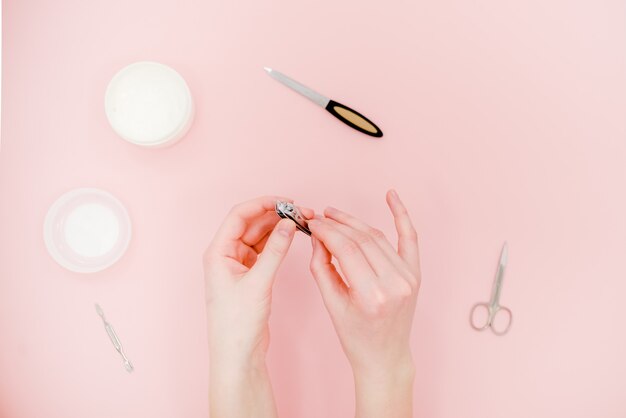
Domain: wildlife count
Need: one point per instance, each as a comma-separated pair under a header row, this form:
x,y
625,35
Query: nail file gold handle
x,y
353,119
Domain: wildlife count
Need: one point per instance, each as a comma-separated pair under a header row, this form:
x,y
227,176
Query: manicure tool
x,y
348,116
116,342
290,211
492,308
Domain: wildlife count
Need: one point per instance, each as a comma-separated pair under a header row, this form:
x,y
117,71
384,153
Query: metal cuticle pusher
x,y
115,340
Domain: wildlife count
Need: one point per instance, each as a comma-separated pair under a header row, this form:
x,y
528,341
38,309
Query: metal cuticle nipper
x,y
290,211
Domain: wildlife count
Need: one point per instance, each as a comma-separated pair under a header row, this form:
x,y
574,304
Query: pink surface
x,y
503,120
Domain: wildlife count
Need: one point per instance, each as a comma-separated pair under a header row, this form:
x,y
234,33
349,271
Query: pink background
x,y
503,120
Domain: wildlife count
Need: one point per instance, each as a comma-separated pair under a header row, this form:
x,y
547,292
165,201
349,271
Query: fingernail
x,y
313,221
394,194
331,209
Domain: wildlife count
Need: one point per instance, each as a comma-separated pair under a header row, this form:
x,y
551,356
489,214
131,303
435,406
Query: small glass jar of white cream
x,y
87,230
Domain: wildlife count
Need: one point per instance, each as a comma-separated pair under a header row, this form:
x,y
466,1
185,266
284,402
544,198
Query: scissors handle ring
x,y
487,320
508,325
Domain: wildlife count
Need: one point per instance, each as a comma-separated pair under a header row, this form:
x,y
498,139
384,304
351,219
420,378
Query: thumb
x,y
274,252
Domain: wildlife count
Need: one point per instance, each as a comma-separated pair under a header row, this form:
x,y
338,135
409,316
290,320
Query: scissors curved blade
x,y
497,284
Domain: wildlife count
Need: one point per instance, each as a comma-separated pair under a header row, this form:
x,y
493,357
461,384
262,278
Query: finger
x,y
249,256
267,263
260,229
407,236
378,236
376,258
258,247
261,243
307,212
242,214
328,280
227,239
354,265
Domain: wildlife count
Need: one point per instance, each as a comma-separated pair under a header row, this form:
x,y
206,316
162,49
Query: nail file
x,y
342,112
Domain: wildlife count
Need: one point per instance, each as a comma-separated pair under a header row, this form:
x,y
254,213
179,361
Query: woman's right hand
x,y
372,305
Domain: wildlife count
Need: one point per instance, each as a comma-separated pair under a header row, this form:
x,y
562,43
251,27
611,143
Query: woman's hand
x,y
372,305
239,268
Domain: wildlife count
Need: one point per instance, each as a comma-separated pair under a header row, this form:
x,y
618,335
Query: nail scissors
x,y
290,211
492,309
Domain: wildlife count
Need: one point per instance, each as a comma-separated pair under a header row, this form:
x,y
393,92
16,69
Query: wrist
x,y
400,370
385,389
235,361
404,375
239,386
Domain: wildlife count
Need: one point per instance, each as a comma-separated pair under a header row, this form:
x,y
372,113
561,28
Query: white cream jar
x,y
149,104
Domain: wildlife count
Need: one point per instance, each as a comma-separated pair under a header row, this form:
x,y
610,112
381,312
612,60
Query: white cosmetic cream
x,y
149,104
87,230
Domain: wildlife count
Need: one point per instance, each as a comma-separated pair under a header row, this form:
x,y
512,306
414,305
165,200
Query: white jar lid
x,y
149,104
87,230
